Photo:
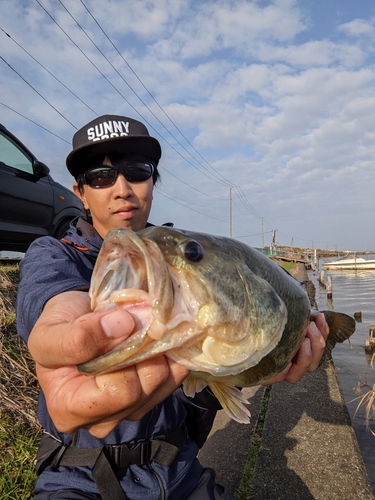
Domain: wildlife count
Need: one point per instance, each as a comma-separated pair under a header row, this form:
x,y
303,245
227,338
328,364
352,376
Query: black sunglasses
x,y
104,176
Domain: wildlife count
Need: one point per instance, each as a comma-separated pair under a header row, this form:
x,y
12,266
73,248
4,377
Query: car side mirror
x,y
40,169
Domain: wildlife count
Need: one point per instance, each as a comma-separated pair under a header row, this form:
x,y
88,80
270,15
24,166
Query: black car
x,y
32,204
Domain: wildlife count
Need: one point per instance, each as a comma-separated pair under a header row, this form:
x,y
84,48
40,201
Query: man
x,y
123,434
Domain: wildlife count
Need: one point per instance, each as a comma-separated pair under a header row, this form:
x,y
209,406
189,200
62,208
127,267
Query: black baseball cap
x,y
111,134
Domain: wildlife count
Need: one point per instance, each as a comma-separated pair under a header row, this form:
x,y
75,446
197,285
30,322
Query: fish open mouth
x,y
131,274
121,265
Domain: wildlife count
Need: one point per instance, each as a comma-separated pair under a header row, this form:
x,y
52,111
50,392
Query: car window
x,y
13,156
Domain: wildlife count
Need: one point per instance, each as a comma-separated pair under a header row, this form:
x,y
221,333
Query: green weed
x,y
246,488
18,447
19,429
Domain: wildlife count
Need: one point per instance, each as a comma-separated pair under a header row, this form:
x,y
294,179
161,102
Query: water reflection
x,y
353,292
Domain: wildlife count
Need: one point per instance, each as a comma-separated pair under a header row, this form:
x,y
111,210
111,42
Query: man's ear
x,y
80,194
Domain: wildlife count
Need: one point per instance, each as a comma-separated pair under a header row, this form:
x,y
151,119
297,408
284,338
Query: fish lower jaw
x,y
129,296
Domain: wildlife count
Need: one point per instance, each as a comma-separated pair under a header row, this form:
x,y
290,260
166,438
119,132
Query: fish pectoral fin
x,y
191,385
232,400
341,327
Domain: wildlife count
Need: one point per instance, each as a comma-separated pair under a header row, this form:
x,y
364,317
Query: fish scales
x,y
213,304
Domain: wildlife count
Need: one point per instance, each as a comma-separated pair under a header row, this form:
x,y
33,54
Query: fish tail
x,y
232,400
341,327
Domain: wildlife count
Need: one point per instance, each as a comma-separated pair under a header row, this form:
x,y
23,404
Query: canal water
x,y
353,291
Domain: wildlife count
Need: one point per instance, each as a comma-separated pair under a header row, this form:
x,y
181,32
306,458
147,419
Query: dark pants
x,y
206,489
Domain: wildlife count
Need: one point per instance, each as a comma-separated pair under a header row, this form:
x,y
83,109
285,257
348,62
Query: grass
x,y
18,447
19,428
246,488
288,265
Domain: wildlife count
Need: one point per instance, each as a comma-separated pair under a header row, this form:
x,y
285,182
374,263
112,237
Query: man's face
x,y
123,204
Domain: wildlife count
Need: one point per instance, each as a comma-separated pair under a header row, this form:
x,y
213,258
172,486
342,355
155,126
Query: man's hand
x,y
309,355
67,334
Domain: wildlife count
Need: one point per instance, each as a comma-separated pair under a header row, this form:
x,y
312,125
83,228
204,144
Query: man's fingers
x,y
176,374
77,334
322,325
301,363
318,344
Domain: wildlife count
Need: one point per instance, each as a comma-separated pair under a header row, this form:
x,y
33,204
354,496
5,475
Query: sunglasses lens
x,y
137,171
102,177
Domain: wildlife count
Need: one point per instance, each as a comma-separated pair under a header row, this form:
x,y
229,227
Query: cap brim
x,y
142,145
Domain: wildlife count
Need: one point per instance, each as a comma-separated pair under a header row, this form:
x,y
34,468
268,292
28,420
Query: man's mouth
x,y
126,211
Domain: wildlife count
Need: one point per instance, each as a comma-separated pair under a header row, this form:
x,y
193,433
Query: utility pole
x,y
262,232
273,244
230,212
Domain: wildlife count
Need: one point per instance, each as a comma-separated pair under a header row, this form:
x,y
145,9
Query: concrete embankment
x,y
309,450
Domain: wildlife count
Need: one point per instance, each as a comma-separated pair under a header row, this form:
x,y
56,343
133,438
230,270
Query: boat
x,y
350,261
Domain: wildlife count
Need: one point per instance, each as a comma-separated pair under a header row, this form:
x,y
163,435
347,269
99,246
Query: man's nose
x,y
122,186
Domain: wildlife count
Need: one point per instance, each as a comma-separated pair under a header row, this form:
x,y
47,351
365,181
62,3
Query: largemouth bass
x,y
222,309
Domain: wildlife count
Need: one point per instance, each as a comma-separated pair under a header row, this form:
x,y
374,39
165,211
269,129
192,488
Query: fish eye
x,y
193,251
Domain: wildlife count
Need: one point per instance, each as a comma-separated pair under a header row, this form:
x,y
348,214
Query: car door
x,y
26,196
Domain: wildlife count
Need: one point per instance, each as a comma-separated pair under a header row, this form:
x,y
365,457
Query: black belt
x,y
162,449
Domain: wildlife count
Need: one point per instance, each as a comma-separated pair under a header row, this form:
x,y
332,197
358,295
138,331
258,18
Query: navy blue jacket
x,y
49,268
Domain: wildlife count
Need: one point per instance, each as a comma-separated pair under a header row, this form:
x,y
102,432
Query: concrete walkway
x,y
227,446
309,448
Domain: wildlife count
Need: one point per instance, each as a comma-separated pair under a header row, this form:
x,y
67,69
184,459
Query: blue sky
x,y
271,101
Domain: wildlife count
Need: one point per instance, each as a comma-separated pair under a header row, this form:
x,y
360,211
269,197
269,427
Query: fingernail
x,y
117,324
314,329
307,346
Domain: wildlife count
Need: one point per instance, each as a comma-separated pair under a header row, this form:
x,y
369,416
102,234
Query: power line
x,y
102,76
192,209
240,193
151,95
35,123
188,207
85,55
142,101
242,197
238,208
189,185
49,72
204,206
39,94
116,89
250,235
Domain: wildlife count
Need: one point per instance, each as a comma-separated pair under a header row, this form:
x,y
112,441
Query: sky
x,y
265,110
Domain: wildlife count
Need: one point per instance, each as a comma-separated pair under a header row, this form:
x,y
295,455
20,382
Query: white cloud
x,y
359,27
214,26
283,112
314,53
